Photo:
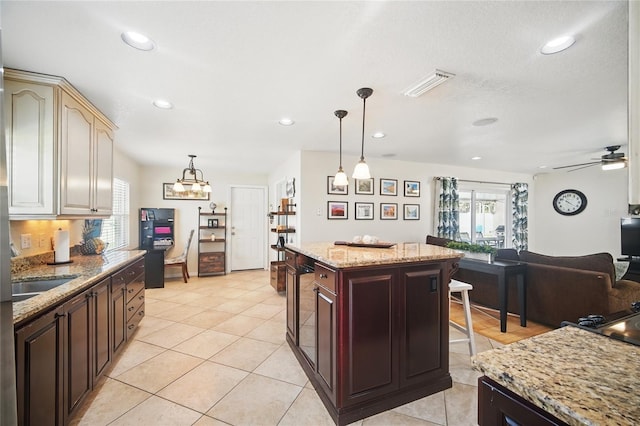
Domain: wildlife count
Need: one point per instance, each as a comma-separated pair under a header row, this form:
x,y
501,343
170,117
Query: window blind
x,y
115,230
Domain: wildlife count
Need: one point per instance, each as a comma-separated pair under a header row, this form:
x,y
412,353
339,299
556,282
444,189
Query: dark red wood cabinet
x,y
380,335
62,353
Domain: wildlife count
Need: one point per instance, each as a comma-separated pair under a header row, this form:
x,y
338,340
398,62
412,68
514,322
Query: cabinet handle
x,y
323,276
57,315
141,313
131,308
131,326
316,289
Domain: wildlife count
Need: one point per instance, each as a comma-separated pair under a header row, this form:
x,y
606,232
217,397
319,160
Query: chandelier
x,y
196,180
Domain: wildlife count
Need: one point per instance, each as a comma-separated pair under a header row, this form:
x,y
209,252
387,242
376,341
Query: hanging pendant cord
x,y
364,107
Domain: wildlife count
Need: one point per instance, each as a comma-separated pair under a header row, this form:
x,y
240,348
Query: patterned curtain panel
x,y
519,202
448,211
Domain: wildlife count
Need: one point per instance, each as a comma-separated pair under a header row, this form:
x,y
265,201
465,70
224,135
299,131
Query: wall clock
x,y
569,202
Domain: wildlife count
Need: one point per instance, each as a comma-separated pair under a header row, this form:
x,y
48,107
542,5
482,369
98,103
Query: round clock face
x,y
569,202
213,206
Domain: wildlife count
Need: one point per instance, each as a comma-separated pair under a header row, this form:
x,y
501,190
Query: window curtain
x,y
519,203
448,211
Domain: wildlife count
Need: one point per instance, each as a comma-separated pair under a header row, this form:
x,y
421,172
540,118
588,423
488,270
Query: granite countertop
x,y
340,256
85,271
580,377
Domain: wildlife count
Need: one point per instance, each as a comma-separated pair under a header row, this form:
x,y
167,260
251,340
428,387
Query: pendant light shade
x,y
197,181
362,169
340,178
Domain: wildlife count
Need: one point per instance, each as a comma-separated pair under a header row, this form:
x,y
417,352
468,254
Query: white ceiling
x,y
233,69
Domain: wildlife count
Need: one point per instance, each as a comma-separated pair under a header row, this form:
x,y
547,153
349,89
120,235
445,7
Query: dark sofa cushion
x,y
437,241
599,262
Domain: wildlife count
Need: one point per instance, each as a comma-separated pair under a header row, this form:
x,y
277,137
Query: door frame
x,y
265,225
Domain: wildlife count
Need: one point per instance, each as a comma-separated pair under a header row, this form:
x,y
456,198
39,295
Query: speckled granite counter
x,y
85,270
340,256
580,377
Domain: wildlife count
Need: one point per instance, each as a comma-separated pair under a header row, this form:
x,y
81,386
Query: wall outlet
x,y
42,240
25,241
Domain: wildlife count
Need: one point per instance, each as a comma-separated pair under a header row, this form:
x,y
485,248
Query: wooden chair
x,y
181,260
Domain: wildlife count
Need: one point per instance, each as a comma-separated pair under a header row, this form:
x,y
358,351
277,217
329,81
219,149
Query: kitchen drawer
x,y
325,277
130,273
135,304
133,289
290,258
133,323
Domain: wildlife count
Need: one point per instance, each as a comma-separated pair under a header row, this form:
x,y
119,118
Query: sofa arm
x,y
556,294
623,293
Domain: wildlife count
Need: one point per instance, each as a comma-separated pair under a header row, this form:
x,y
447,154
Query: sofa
x,y
559,288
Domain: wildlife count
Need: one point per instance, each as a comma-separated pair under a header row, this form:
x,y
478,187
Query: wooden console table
x,y
503,269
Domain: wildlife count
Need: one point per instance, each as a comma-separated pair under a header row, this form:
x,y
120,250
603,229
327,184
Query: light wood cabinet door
x,y
29,121
103,169
76,131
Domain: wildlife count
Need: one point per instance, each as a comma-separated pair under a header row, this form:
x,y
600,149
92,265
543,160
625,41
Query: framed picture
x,y
411,212
336,190
364,211
337,210
169,194
212,223
388,186
364,186
291,188
388,211
411,188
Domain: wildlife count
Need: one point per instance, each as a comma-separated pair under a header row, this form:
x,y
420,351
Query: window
x,y
115,230
485,214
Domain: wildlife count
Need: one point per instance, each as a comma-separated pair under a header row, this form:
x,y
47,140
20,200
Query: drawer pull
x,y
131,308
323,276
131,326
141,313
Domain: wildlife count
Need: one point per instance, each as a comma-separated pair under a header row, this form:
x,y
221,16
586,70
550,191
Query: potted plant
x,y
474,251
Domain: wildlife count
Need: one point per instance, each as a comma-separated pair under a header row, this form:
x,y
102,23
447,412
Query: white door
x,y
248,218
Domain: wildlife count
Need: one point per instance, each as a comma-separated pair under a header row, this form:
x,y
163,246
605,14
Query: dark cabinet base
x,y
154,268
499,406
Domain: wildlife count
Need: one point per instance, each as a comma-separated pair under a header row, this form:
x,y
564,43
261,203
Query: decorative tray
x,y
375,245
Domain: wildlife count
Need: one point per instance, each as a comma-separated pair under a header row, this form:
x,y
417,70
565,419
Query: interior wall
x,y
597,228
317,166
128,170
186,211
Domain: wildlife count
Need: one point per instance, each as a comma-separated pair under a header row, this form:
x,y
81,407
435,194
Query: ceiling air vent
x,y
428,83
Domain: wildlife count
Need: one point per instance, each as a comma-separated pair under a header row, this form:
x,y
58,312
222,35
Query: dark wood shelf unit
x,y
212,254
281,217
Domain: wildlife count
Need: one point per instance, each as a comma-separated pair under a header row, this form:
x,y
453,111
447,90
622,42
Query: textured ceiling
x,y
233,69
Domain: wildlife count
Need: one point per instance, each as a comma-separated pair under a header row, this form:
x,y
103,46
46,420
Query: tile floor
x,y
213,352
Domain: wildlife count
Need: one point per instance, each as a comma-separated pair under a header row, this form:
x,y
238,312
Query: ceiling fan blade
x,y
577,165
583,167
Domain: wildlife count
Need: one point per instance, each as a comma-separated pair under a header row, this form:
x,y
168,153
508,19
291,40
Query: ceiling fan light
x,y
340,178
361,171
614,165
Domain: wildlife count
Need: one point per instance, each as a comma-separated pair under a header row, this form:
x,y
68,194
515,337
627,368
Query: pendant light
x,y
340,178
197,184
362,169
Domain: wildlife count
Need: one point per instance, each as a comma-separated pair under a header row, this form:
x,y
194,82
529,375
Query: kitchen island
x,y
370,326
566,376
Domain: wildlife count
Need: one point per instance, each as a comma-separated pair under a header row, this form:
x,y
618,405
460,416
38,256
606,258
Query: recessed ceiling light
x,y
476,158
542,167
161,103
378,135
484,121
137,40
557,45
286,122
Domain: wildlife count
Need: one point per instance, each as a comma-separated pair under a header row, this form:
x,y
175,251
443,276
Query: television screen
x,y
630,236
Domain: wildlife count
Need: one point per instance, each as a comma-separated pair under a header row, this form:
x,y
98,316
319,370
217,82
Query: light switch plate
x,y
25,241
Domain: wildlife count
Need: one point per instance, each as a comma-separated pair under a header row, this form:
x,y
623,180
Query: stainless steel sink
x,y
26,289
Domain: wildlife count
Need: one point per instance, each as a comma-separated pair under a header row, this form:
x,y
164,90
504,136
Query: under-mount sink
x,y
26,289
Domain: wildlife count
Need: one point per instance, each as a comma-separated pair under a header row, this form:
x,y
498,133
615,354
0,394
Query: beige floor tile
x,y
389,418
206,344
209,421
269,331
256,296
136,352
307,409
264,311
180,313
158,411
158,372
430,408
283,365
159,306
208,318
209,301
172,335
235,306
239,325
275,299
110,401
245,353
269,398
229,293
203,386
462,405
150,324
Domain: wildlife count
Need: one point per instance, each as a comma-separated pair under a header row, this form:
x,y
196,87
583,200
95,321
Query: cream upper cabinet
x,y
60,149
30,137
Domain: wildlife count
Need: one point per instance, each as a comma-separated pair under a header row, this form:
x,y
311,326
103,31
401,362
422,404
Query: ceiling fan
x,y
610,161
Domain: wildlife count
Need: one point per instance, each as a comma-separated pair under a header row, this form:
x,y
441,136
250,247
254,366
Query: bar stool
x,y
456,286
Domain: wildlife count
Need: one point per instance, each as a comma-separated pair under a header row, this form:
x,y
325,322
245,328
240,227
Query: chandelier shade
x,y
361,170
196,179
